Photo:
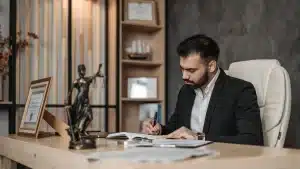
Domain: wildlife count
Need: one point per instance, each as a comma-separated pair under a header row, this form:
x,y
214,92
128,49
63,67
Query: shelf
x,y
141,63
140,27
5,104
141,100
148,32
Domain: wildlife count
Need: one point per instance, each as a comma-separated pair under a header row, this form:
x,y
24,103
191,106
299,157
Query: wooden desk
x,y
53,152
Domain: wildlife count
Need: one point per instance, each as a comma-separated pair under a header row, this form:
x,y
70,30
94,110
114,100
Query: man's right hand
x,y
147,127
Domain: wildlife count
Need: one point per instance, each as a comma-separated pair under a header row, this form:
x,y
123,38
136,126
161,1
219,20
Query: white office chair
x,y
273,88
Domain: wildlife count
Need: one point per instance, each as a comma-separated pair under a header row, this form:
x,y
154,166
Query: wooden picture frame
x,y
142,91
138,11
34,107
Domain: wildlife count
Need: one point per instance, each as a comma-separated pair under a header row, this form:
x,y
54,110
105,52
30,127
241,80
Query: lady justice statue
x,y
80,113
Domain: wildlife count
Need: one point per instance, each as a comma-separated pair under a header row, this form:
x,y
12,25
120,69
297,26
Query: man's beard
x,y
203,81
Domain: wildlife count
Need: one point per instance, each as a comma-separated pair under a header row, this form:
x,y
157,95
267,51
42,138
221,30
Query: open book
x,y
130,136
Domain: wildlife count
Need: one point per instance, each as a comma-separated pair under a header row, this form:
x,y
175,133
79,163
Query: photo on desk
x,y
34,107
142,87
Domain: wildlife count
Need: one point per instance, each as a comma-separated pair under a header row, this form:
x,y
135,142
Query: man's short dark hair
x,y
200,43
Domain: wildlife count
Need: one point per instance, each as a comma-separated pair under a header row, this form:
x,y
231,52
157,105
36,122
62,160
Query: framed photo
x,y
141,11
142,87
34,107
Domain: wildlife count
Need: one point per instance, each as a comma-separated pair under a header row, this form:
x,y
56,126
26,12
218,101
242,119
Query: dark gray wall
x,y
245,29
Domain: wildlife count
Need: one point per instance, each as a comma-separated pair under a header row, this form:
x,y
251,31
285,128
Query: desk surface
x,y
53,152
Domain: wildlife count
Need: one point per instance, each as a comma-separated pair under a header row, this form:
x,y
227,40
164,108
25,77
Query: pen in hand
x,y
154,120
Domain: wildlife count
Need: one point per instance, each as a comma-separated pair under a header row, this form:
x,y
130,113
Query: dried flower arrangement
x,y
6,49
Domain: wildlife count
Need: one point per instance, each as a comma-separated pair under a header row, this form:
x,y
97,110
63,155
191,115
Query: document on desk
x,y
152,154
179,143
130,136
167,143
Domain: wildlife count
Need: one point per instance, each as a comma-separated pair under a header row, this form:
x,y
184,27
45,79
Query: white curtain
x,y
48,56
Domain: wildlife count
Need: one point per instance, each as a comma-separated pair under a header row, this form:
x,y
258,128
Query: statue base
x,y
87,142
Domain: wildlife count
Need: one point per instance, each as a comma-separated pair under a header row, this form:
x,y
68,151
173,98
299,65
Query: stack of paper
x,y
130,136
152,155
166,143
179,143
148,148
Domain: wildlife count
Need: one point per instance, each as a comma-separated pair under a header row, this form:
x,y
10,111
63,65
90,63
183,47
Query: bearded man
x,y
210,105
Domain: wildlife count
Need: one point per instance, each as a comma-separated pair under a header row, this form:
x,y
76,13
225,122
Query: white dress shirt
x,y
201,103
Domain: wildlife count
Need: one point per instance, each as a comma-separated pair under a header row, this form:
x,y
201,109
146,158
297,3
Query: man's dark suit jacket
x,y
233,115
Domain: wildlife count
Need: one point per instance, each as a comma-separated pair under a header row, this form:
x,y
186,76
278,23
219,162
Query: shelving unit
x,y
151,67
140,27
140,63
141,100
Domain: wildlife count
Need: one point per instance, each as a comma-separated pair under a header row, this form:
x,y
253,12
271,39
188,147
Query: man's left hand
x,y
183,133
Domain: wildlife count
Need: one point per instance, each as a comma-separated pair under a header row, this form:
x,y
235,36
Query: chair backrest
x,y
273,88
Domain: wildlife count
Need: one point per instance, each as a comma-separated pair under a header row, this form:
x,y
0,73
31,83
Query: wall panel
x,y
244,30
